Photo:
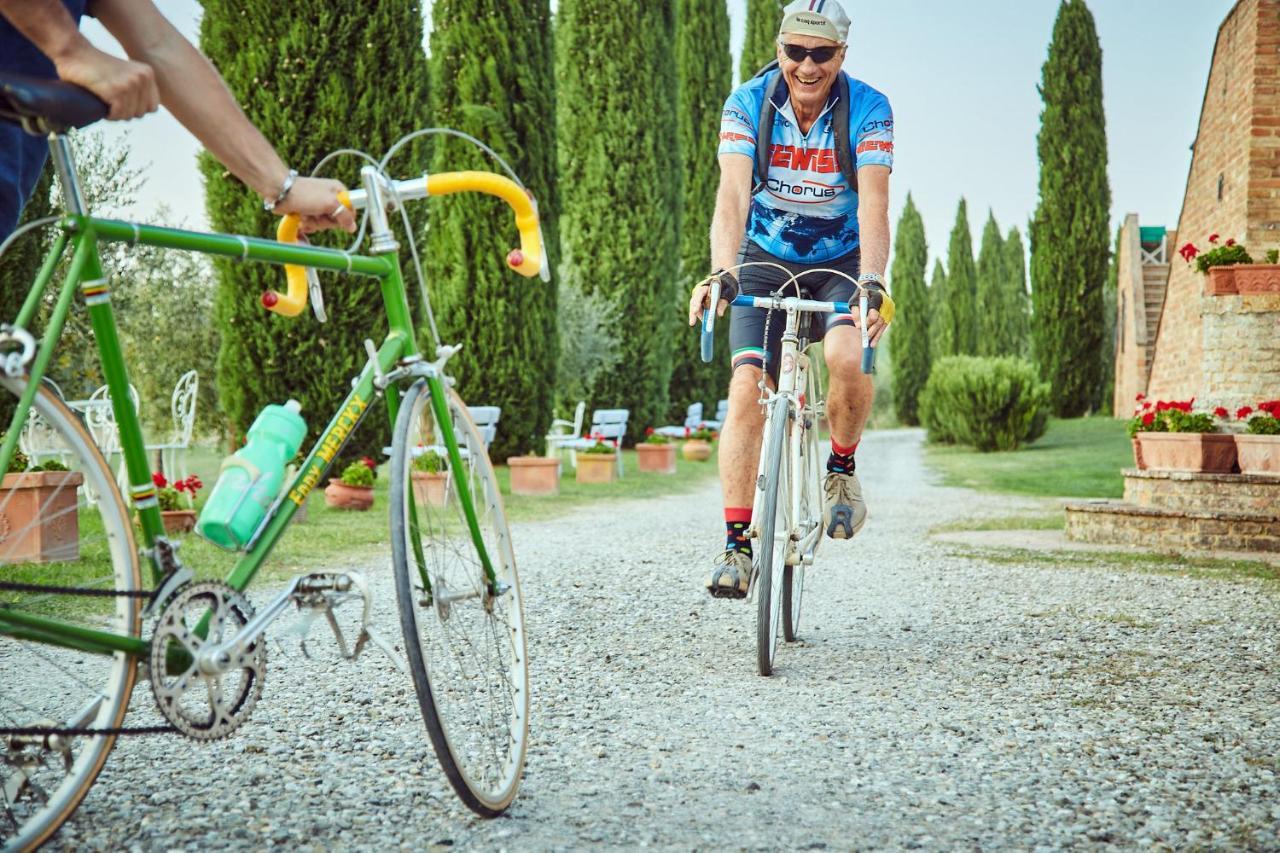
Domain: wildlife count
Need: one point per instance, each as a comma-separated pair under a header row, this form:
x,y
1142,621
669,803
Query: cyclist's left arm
x,y
192,89
873,230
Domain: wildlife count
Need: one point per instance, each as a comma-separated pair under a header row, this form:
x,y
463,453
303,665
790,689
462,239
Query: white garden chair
x,y
692,420
722,413
610,425
486,421
563,431
182,409
101,420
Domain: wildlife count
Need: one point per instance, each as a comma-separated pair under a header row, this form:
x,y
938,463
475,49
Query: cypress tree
x,y
942,330
909,350
991,323
1016,301
1071,230
962,287
704,72
619,185
763,19
326,75
491,61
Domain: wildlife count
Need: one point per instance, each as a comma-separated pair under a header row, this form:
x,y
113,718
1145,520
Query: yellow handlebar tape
x,y
527,260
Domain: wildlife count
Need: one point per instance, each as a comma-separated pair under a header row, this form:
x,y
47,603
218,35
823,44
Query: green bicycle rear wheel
x,y
465,638
72,529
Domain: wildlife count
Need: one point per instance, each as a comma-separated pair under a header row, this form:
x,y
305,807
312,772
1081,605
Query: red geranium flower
x,y
1243,412
367,461
1148,418
1141,397
1220,412
648,431
1188,252
1213,238
159,480
1231,241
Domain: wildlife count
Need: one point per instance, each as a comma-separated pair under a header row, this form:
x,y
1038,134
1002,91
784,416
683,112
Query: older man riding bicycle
x,y
820,204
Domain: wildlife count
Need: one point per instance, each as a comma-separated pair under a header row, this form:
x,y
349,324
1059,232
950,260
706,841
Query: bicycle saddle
x,y
44,106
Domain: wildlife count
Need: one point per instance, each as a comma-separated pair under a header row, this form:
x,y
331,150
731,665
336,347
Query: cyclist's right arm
x,y
728,225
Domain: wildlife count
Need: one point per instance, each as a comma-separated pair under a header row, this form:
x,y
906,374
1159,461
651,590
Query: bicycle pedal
x,y
841,517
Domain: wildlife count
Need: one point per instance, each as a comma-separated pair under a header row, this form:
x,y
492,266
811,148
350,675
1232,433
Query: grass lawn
x,y
1078,458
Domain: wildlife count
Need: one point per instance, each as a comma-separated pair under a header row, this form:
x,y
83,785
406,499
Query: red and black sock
x,y
736,522
841,459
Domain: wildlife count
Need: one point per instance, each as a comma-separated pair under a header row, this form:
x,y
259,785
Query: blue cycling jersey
x,y
22,155
806,213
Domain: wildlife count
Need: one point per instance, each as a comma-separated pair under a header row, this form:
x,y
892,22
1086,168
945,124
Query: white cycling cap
x,y
822,18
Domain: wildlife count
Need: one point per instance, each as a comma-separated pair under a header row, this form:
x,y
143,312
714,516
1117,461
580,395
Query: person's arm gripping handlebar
x,y
709,321
528,260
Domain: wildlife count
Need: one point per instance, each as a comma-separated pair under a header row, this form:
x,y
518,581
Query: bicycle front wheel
x,y
59,529
809,521
463,623
775,536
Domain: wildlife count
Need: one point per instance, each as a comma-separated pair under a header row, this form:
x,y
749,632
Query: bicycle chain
x,y
39,731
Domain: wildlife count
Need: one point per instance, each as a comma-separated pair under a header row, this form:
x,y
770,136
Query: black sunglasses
x,y
797,53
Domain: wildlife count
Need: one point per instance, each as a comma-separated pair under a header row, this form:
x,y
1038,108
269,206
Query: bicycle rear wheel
x,y
810,518
465,639
57,528
775,537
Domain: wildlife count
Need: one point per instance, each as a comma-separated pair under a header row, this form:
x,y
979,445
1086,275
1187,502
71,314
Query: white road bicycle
x,y
786,511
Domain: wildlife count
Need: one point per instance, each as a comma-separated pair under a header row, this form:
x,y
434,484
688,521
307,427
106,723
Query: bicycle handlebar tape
x,y
293,301
709,323
868,360
527,260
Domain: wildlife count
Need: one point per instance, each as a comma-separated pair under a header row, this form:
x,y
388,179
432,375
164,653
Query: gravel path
x,y
937,700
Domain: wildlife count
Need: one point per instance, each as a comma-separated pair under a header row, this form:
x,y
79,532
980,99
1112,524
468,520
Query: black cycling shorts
x,y
747,330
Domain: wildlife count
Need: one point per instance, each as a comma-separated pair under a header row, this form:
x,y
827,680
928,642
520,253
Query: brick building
x,y
1173,341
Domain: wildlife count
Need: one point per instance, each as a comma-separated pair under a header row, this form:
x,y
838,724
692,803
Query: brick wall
x,y
1233,189
1131,320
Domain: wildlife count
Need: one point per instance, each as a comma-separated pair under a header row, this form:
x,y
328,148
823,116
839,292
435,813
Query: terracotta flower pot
x,y
178,520
38,518
1209,453
1221,281
1138,461
430,487
534,475
696,450
597,467
338,495
1252,279
1258,454
657,458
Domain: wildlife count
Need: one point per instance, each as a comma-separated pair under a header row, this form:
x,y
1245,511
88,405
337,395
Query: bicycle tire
x,y
810,507
768,581
104,541
429,537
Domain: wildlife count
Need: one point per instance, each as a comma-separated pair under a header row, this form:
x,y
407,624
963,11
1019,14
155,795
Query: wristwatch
x,y
270,206
872,277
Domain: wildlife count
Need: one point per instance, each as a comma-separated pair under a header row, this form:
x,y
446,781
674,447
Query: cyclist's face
x,y
808,80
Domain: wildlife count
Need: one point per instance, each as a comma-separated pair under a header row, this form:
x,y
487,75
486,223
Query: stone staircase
x,y
1184,511
1155,280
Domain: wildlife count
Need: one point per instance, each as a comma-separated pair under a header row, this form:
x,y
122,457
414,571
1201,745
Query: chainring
x,y
205,702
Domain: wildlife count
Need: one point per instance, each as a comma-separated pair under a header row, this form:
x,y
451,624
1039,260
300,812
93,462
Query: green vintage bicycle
x,y
92,602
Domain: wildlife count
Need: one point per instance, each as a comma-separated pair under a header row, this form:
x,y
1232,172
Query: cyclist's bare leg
x,y
740,437
850,391
848,407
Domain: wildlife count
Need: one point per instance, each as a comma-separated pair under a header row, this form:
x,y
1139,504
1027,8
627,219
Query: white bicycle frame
x,y
796,399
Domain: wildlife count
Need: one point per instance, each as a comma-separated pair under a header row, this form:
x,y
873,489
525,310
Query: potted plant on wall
x,y
656,453
353,490
430,478
598,463
697,445
172,496
1258,447
1229,269
40,521
1172,437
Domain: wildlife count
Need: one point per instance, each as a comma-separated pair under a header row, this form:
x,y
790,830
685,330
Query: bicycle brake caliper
x,y
17,349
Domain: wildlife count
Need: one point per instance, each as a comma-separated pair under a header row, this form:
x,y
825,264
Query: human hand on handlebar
x,y
128,88
875,324
316,201
702,292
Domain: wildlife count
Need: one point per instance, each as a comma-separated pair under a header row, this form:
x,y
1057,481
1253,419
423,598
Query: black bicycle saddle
x,y
45,106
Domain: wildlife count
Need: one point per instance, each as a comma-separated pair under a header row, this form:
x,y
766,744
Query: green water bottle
x,y
251,478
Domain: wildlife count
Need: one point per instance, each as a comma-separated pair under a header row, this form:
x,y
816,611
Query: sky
x,y
962,79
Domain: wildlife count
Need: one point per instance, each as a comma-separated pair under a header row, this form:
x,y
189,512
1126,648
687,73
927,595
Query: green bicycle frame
x,y
81,234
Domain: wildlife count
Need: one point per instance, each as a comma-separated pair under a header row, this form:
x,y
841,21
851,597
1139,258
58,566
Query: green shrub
x,y
1263,425
358,474
989,403
52,465
430,462
19,462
